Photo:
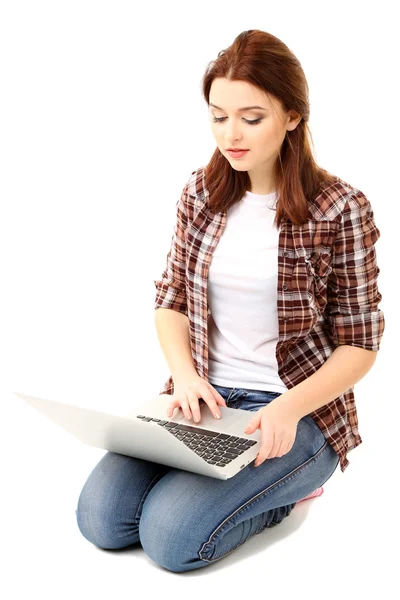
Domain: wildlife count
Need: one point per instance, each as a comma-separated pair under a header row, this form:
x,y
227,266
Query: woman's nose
x,y
233,136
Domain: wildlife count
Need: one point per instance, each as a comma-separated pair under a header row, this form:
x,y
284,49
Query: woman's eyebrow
x,y
241,109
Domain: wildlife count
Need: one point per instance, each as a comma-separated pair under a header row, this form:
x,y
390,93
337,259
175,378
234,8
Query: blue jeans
x,y
186,521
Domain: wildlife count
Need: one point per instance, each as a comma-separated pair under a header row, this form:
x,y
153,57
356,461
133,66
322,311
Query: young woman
x,y
268,303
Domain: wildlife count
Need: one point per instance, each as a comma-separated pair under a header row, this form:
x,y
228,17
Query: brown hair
x,y
264,61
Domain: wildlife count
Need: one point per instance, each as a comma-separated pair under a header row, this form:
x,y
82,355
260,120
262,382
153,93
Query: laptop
x,y
213,447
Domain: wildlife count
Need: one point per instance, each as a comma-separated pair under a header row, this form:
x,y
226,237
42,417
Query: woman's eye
x,y
220,119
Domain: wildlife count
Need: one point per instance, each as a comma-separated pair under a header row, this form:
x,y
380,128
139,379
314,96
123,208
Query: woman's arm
x,y
344,368
354,322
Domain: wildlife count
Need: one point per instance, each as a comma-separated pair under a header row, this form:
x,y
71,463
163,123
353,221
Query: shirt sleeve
x,y
352,291
171,287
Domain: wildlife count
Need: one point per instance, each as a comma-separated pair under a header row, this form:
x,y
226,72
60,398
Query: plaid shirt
x,y
327,290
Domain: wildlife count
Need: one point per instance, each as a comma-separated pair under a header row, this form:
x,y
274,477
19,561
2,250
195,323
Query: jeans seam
x,y
293,473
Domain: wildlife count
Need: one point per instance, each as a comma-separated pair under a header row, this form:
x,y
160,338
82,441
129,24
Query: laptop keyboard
x,y
215,448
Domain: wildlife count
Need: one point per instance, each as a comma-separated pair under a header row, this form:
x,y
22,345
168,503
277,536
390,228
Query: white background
x,y
102,122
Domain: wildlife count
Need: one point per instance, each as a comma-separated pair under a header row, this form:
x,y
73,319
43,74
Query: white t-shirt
x,y
242,297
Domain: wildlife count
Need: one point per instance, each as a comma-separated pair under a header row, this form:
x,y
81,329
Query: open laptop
x,y
213,447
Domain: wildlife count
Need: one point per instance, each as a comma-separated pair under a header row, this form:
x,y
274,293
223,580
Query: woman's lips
x,y
238,154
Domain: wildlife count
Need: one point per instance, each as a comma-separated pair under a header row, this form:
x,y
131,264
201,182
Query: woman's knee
x,y
109,504
161,527
92,519
102,525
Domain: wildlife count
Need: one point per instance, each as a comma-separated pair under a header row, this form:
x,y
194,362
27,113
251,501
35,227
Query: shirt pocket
x,y
310,275
319,267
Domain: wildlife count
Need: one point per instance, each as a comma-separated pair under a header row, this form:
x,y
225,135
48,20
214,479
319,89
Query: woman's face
x,y
259,131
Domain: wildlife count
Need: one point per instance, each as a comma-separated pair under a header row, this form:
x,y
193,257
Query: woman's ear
x,y
294,120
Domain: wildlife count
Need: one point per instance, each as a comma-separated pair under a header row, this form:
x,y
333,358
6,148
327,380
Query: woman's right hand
x,y
187,393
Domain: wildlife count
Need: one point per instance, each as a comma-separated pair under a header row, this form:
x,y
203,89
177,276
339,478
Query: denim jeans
x,y
186,521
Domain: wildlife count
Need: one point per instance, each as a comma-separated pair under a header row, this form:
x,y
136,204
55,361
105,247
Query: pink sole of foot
x,y
314,494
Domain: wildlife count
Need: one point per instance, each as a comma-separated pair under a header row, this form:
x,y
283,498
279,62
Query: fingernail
x,y
196,419
217,416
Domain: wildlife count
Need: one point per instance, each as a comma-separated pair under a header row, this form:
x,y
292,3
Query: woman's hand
x,y
278,430
187,394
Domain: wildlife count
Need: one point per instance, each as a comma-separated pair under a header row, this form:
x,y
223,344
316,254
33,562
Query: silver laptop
x,y
213,447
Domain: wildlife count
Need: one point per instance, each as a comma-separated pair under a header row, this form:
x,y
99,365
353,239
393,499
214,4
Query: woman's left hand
x,y
278,430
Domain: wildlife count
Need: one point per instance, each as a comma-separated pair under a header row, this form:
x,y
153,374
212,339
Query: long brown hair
x,y
264,61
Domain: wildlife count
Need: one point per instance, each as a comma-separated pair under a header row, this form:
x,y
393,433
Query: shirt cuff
x,y
364,330
170,297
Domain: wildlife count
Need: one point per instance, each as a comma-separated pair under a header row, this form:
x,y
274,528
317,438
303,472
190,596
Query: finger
x,y
251,427
220,400
274,453
276,449
253,424
171,407
194,406
211,401
184,402
267,443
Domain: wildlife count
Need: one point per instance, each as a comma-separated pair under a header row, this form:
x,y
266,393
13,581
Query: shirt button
x,y
285,318
286,253
284,287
